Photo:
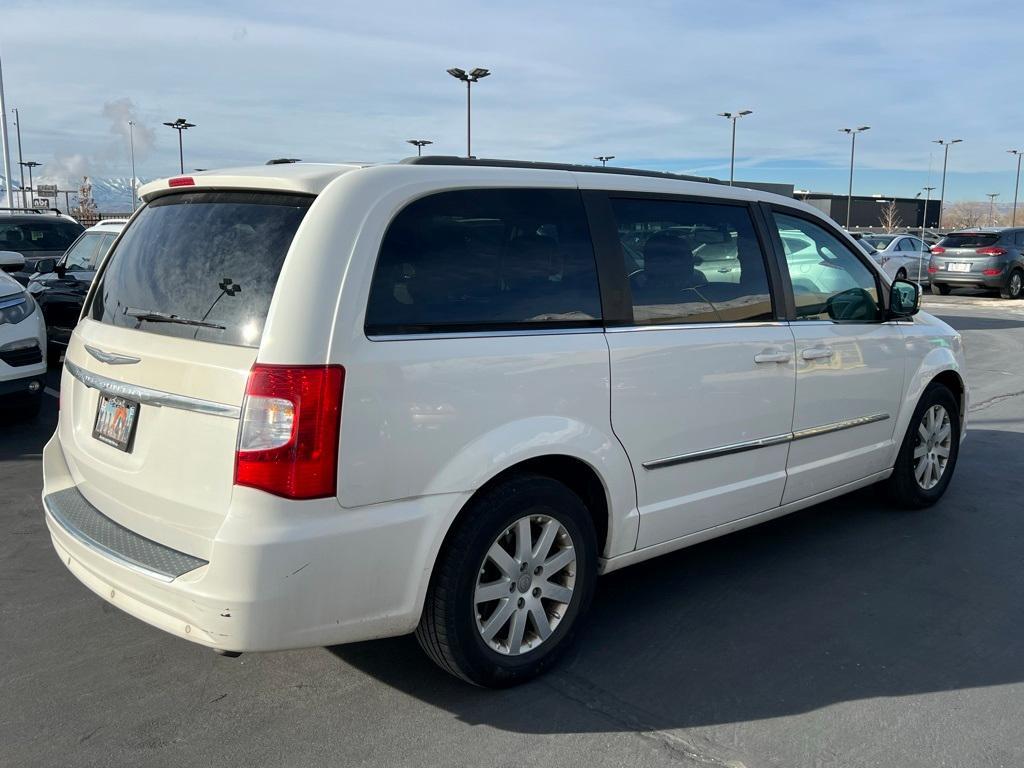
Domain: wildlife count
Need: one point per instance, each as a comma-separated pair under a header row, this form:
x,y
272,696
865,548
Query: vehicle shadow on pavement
x,y
847,600
963,323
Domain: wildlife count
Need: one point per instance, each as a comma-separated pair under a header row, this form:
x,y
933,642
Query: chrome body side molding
x,y
764,442
151,396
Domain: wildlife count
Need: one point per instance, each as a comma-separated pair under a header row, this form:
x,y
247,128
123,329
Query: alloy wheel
x,y
1016,284
524,585
931,451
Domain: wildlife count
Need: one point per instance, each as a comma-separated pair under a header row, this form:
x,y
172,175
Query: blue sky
x,y
639,80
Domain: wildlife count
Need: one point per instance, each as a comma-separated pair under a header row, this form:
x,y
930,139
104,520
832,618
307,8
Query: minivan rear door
x,y
156,370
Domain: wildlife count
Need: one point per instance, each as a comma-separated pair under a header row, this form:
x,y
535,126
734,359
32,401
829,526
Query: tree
x,y
889,217
964,215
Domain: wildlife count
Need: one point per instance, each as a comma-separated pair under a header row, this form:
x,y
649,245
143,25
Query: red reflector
x,y
992,250
938,249
306,466
992,272
932,268
182,181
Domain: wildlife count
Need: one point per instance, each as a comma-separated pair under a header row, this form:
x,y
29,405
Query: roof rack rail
x,y
483,162
55,211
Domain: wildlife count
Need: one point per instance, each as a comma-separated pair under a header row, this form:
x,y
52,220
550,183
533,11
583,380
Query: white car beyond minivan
x,y
315,404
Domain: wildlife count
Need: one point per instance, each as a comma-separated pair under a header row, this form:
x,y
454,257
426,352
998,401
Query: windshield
x,y
200,265
38,235
969,240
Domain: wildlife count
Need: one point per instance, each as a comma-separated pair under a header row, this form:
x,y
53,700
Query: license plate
x,y
116,419
958,266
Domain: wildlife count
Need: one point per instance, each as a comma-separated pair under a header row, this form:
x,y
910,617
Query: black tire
x,y
901,274
448,630
902,485
940,289
1014,287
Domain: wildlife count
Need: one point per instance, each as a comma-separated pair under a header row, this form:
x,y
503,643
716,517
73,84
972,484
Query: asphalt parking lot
x,y
849,634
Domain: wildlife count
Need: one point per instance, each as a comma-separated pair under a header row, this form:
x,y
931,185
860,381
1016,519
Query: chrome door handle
x,y
816,353
771,356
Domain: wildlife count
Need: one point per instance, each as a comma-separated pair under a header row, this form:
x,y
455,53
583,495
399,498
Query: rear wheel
x,y
511,584
1014,287
938,288
927,457
901,274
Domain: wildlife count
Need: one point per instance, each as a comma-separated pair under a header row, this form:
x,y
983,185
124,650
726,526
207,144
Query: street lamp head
x,y
1015,151
181,124
459,74
946,143
746,112
418,142
735,115
479,72
30,164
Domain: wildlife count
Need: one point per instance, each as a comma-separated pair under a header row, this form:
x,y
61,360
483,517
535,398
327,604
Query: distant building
x,y
866,211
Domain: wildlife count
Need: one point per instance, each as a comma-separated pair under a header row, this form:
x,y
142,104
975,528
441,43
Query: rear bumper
x,y
975,279
318,575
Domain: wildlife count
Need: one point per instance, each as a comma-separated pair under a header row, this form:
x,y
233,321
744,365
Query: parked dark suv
x,y
36,236
991,258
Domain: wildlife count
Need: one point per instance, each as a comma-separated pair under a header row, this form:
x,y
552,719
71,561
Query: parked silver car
x,y
901,256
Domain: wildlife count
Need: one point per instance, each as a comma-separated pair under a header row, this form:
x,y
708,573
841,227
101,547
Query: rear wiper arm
x,y
154,316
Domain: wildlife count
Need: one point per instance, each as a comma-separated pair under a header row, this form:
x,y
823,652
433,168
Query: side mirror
x,y
44,266
854,305
61,269
904,299
11,261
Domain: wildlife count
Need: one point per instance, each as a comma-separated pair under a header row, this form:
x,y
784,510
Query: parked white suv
x,y
22,343
316,404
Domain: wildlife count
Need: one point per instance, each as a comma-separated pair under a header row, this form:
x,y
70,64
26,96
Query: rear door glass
x,y
40,234
200,265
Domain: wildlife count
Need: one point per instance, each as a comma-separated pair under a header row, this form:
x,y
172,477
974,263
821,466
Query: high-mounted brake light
x,y
992,250
291,421
181,181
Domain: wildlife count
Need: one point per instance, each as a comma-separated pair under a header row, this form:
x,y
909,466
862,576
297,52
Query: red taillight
x,y
992,250
992,272
938,249
291,421
182,181
932,268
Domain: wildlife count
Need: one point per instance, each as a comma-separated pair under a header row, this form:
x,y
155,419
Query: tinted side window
x,y
829,281
1020,238
692,262
486,259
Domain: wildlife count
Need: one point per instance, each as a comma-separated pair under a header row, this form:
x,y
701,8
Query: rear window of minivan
x,y
486,259
200,265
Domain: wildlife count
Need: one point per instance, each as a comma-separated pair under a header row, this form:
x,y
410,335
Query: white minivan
x,y
315,404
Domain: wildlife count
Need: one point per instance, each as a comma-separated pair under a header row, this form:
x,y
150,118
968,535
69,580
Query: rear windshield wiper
x,y
154,316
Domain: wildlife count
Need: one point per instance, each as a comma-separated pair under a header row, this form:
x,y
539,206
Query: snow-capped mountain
x,y
112,195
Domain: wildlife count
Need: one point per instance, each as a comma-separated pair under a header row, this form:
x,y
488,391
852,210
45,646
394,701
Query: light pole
x,y
733,116
473,76
181,125
17,128
992,206
1016,186
419,144
924,222
945,162
852,132
604,159
131,144
30,164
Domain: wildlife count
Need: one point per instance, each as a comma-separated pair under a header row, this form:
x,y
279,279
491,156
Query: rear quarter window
x,y
202,265
485,259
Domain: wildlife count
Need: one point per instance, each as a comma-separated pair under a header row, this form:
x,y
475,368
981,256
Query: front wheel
x,y
927,457
1014,287
511,584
